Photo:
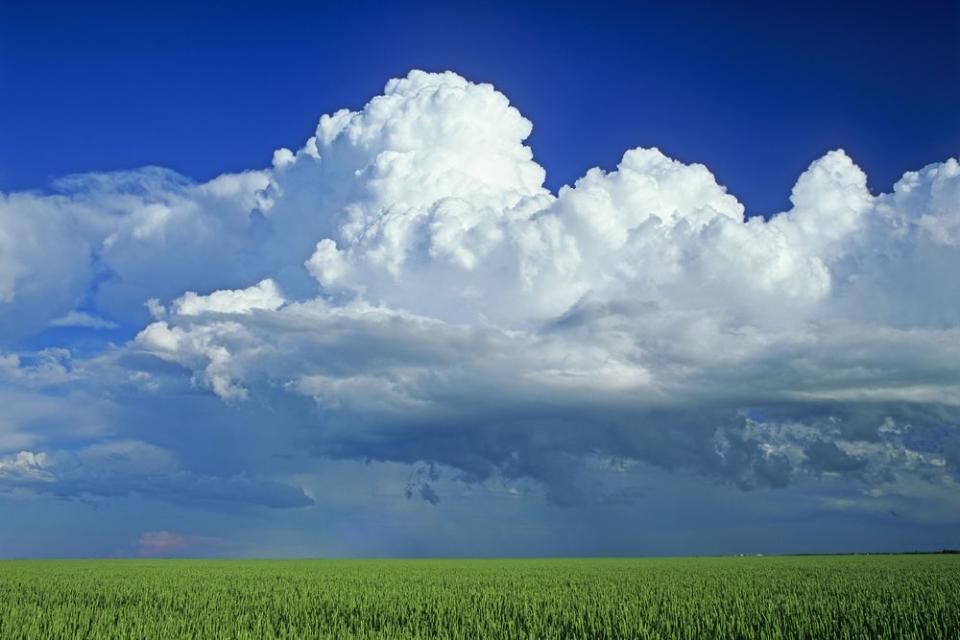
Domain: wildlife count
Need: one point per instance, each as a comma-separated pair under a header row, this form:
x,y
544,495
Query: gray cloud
x,y
118,468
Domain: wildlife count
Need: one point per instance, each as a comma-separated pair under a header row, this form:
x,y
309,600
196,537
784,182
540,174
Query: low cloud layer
x,y
403,289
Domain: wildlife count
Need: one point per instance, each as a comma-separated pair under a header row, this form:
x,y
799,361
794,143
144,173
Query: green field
x,y
786,597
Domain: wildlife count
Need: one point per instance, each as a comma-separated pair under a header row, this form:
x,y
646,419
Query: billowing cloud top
x,y
404,289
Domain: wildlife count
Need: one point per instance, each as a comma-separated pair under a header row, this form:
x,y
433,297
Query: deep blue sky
x,y
756,92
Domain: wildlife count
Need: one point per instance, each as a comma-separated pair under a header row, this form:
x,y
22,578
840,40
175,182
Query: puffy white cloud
x,y
111,241
264,295
45,266
439,304
26,466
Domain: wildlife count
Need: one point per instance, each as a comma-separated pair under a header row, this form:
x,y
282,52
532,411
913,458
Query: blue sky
x,y
343,280
754,91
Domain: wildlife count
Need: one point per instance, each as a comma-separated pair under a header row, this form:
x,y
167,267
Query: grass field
x,y
788,597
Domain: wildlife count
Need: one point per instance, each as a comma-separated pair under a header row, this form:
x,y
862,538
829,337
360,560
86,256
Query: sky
x,y
492,280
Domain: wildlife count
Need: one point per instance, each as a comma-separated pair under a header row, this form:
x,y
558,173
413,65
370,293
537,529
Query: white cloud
x,y
25,466
82,319
115,240
263,295
439,304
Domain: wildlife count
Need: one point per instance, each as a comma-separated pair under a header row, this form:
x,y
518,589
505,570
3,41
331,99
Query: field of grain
x,y
789,597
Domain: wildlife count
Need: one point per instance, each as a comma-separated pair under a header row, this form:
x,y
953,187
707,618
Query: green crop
x,y
788,597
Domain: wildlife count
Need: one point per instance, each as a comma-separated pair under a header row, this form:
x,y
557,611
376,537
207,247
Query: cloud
x,y
81,319
117,468
163,543
109,242
402,288
262,296
160,542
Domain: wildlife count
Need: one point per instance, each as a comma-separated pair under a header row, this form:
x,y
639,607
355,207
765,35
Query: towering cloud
x,y
404,289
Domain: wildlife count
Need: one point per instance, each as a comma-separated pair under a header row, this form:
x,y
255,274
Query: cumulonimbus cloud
x,y
408,275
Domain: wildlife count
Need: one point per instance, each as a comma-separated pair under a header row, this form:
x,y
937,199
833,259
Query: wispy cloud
x,y
81,319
